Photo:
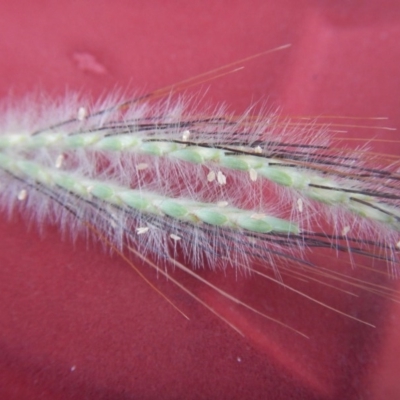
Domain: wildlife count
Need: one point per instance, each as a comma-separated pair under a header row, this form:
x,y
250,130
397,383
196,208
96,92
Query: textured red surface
x,y
78,323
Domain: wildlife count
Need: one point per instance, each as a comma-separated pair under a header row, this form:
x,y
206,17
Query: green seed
x,y
101,191
173,209
211,217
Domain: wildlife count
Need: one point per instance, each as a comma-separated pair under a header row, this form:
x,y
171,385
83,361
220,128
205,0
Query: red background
x,y
78,323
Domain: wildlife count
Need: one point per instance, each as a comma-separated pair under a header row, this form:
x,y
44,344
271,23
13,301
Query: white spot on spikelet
x,y
211,176
257,216
73,368
398,244
300,205
222,204
141,166
59,161
253,174
221,178
185,135
22,195
82,113
345,230
174,237
258,150
142,229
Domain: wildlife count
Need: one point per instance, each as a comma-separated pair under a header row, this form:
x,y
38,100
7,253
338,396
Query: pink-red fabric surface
x,y
77,322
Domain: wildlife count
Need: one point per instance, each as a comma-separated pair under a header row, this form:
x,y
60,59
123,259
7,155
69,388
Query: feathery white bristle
x,y
218,190
144,146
